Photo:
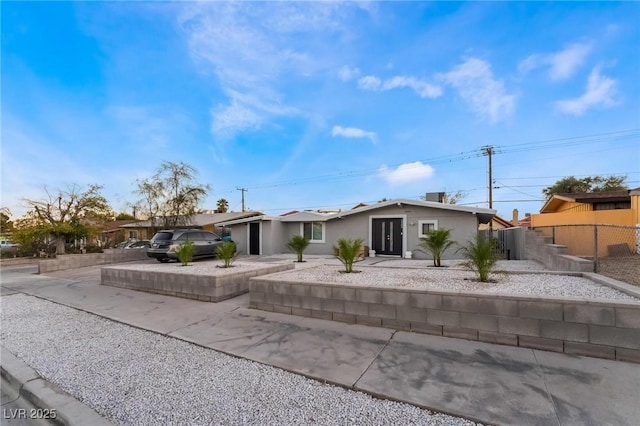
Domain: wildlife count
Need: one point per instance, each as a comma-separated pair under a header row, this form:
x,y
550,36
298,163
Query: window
x,y
426,226
313,231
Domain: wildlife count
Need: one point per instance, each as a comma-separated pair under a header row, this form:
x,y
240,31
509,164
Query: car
x,y
138,244
8,245
165,243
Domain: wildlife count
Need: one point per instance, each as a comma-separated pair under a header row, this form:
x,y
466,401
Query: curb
x,y
46,395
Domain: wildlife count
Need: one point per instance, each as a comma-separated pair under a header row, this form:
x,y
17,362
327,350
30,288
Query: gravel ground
x,y
135,377
196,268
450,279
501,265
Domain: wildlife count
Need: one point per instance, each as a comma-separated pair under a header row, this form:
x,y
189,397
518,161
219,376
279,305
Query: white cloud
x,y
422,88
408,172
347,73
353,132
601,91
562,64
370,82
249,48
476,85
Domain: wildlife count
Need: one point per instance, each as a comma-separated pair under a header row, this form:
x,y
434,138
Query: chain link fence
x,y
614,249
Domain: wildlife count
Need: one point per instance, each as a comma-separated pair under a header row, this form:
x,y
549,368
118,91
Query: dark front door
x,y
387,236
254,238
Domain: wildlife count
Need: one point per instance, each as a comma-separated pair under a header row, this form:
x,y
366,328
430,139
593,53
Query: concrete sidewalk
x,y
488,383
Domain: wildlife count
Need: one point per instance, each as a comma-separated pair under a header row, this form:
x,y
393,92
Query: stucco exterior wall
x,y
462,224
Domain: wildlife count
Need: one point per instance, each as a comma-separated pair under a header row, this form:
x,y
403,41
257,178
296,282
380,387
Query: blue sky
x,y
311,105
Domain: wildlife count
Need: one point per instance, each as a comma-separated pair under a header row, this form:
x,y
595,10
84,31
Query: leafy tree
x,y
125,216
171,196
68,213
6,225
222,205
573,185
298,244
436,242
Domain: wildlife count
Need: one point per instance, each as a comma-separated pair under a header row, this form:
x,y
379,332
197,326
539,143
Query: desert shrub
x,y
227,252
347,251
481,257
185,252
436,242
298,244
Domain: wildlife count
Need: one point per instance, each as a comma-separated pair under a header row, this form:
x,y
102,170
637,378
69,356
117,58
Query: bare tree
x,y
172,195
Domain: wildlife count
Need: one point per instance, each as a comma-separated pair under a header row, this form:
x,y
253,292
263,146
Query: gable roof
x,y
557,200
484,215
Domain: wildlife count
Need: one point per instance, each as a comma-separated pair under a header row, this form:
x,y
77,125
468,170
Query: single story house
x,y
144,230
391,228
594,208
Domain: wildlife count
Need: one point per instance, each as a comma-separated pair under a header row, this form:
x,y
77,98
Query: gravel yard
x,y
451,279
135,377
195,268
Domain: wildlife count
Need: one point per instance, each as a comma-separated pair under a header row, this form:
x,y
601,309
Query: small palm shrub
x,y
481,257
227,252
298,244
436,242
347,251
185,252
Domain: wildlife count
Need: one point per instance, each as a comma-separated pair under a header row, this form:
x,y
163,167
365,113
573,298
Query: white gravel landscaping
x,y
196,268
135,377
450,279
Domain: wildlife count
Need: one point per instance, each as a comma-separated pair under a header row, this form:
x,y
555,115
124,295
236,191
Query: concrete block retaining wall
x,y
593,328
553,256
207,288
73,261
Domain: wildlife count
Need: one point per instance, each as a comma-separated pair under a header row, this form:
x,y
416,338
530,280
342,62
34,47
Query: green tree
x,y
125,216
222,205
68,213
573,185
171,196
436,242
6,225
298,244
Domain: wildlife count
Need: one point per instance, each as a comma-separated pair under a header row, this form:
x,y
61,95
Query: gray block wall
x,y
73,261
592,328
553,256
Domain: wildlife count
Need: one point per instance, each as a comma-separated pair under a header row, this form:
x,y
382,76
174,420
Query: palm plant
x,y
481,257
185,252
222,205
347,251
298,244
436,242
227,252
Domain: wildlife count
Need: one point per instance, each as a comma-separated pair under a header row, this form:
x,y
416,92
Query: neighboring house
x,y
595,208
391,227
111,233
145,229
571,219
496,223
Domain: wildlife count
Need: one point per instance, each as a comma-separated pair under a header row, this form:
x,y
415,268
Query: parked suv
x,y
165,243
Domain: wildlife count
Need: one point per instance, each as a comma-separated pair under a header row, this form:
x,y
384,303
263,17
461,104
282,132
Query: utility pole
x,y
243,190
488,151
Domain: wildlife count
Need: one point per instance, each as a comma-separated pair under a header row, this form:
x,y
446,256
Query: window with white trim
x,y
426,226
313,231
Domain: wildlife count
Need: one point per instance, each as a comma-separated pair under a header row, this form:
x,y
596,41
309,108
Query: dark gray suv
x,y
165,243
